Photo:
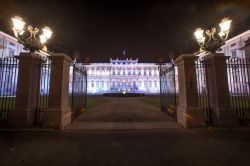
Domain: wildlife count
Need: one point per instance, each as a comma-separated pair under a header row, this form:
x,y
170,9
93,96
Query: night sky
x,y
150,30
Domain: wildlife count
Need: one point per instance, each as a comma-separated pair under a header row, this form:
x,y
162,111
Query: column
x,y
58,114
222,113
27,93
189,114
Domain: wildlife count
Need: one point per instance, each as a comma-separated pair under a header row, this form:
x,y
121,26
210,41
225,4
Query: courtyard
x,y
123,113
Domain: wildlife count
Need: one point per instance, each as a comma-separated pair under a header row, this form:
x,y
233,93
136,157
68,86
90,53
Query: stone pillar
x,y
222,113
23,114
58,114
189,114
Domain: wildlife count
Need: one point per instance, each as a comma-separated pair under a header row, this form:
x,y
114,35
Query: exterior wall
x,y
10,47
123,76
233,46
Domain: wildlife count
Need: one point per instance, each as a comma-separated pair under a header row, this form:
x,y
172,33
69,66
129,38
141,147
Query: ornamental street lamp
x,y
29,37
213,40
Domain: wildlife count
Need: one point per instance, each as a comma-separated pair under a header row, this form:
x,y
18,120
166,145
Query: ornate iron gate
x,y
168,90
78,89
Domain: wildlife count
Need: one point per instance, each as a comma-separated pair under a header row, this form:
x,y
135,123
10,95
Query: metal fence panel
x,y
8,85
239,87
203,90
43,90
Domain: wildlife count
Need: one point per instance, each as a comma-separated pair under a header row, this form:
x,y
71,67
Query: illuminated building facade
x,y
234,49
125,75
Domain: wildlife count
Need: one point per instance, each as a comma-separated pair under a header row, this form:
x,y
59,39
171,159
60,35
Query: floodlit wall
x,y
123,75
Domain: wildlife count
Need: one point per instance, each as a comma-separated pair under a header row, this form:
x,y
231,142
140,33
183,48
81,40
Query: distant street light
x,y
213,40
29,40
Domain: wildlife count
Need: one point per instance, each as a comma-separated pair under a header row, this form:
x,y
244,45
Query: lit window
x,y
233,54
12,44
234,44
155,83
11,52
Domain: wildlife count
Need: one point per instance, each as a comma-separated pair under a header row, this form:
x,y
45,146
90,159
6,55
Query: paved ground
x,y
127,147
124,113
169,147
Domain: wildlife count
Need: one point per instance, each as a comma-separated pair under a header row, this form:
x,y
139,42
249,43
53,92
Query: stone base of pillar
x,y
224,117
21,118
54,118
190,117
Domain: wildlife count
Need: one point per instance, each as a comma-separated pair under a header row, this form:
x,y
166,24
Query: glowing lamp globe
x,y
18,25
199,35
43,39
47,32
225,25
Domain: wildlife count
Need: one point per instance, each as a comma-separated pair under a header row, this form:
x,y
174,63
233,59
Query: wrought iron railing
x,y
203,90
238,71
43,90
8,86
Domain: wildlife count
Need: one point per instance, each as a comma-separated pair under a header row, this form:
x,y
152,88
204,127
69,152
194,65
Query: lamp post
x,y
212,40
28,36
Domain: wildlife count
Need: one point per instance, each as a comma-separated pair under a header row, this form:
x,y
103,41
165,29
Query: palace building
x,y
123,75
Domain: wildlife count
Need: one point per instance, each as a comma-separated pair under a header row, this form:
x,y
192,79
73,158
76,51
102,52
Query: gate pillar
x,y
58,113
222,113
23,114
189,114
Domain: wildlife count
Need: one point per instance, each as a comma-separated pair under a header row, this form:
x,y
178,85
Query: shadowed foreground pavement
x,y
171,147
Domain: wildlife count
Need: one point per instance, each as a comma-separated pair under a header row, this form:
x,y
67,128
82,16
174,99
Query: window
x,y
234,44
150,84
233,54
12,44
11,52
1,41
